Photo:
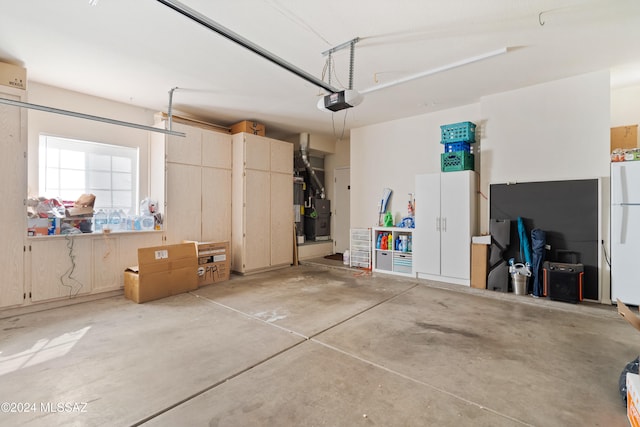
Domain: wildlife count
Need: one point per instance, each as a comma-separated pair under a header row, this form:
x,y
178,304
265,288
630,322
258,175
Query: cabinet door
x,y
60,268
455,195
426,236
216,205
13,169
281,218
183,216
256,235
186,150
216,149
281,157
257,152
107,274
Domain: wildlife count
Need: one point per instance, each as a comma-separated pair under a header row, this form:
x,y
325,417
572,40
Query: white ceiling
x,y
136,51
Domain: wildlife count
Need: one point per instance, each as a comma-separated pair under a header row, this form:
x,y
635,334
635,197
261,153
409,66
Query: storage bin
x,y
403,263
458,132
456,161
384,260
451,147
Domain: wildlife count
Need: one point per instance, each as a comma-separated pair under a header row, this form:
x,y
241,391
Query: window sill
x,y
94,234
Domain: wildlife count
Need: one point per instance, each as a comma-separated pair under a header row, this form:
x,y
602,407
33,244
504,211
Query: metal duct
x,y
304,152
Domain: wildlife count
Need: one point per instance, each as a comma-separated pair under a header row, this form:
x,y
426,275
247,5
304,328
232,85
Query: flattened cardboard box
x,y
479,265
162,271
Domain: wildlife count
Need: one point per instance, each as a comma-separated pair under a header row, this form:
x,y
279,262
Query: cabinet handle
x,y
444,224
437,223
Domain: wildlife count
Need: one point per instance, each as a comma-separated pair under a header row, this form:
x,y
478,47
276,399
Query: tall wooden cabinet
x,y
262,206
195,188
13,170
446,219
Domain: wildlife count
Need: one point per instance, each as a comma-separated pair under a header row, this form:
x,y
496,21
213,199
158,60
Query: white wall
x,y
59,125
625,106
552,131
390,154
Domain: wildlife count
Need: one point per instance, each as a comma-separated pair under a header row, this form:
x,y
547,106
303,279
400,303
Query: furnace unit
x,y
317,220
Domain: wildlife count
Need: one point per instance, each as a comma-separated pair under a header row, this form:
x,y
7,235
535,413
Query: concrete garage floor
x,y
317,346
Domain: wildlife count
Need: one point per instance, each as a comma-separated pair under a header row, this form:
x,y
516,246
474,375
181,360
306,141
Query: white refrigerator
x,y
625,232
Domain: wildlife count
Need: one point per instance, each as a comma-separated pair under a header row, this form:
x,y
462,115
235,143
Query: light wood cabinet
x,y
446,219
65,267
194,184
60,268
13,170
262,207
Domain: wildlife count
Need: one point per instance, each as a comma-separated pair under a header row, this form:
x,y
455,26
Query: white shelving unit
x,y
360,248
392,261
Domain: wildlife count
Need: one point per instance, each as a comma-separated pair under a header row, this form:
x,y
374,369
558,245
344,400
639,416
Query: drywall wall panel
x,y
547,132
71,127
625,106
390,154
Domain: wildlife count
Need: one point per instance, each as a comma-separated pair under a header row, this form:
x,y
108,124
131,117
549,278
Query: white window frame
x,y
86,155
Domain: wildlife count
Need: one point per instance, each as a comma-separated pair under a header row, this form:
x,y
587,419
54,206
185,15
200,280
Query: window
x,y
69,168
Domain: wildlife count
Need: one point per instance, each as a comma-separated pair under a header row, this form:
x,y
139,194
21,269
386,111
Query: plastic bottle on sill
x,y
99,220
115,220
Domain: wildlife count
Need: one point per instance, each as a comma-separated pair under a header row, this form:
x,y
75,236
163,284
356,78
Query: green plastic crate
x,y
456,161
458,132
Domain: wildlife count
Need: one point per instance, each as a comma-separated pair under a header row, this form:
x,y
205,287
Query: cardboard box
x,y
479,265
43,226
248,127
624,137
633,399
214,262
633,381
13,76
162,271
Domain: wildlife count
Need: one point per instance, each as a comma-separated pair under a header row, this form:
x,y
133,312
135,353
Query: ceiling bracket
x,y
341,46
169,110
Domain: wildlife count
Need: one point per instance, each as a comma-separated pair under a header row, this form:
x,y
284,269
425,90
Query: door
x,y
625,245
341,209
216,205
625,177
281,215
184,215
13,168
455,209
256,233
426,237
60,268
